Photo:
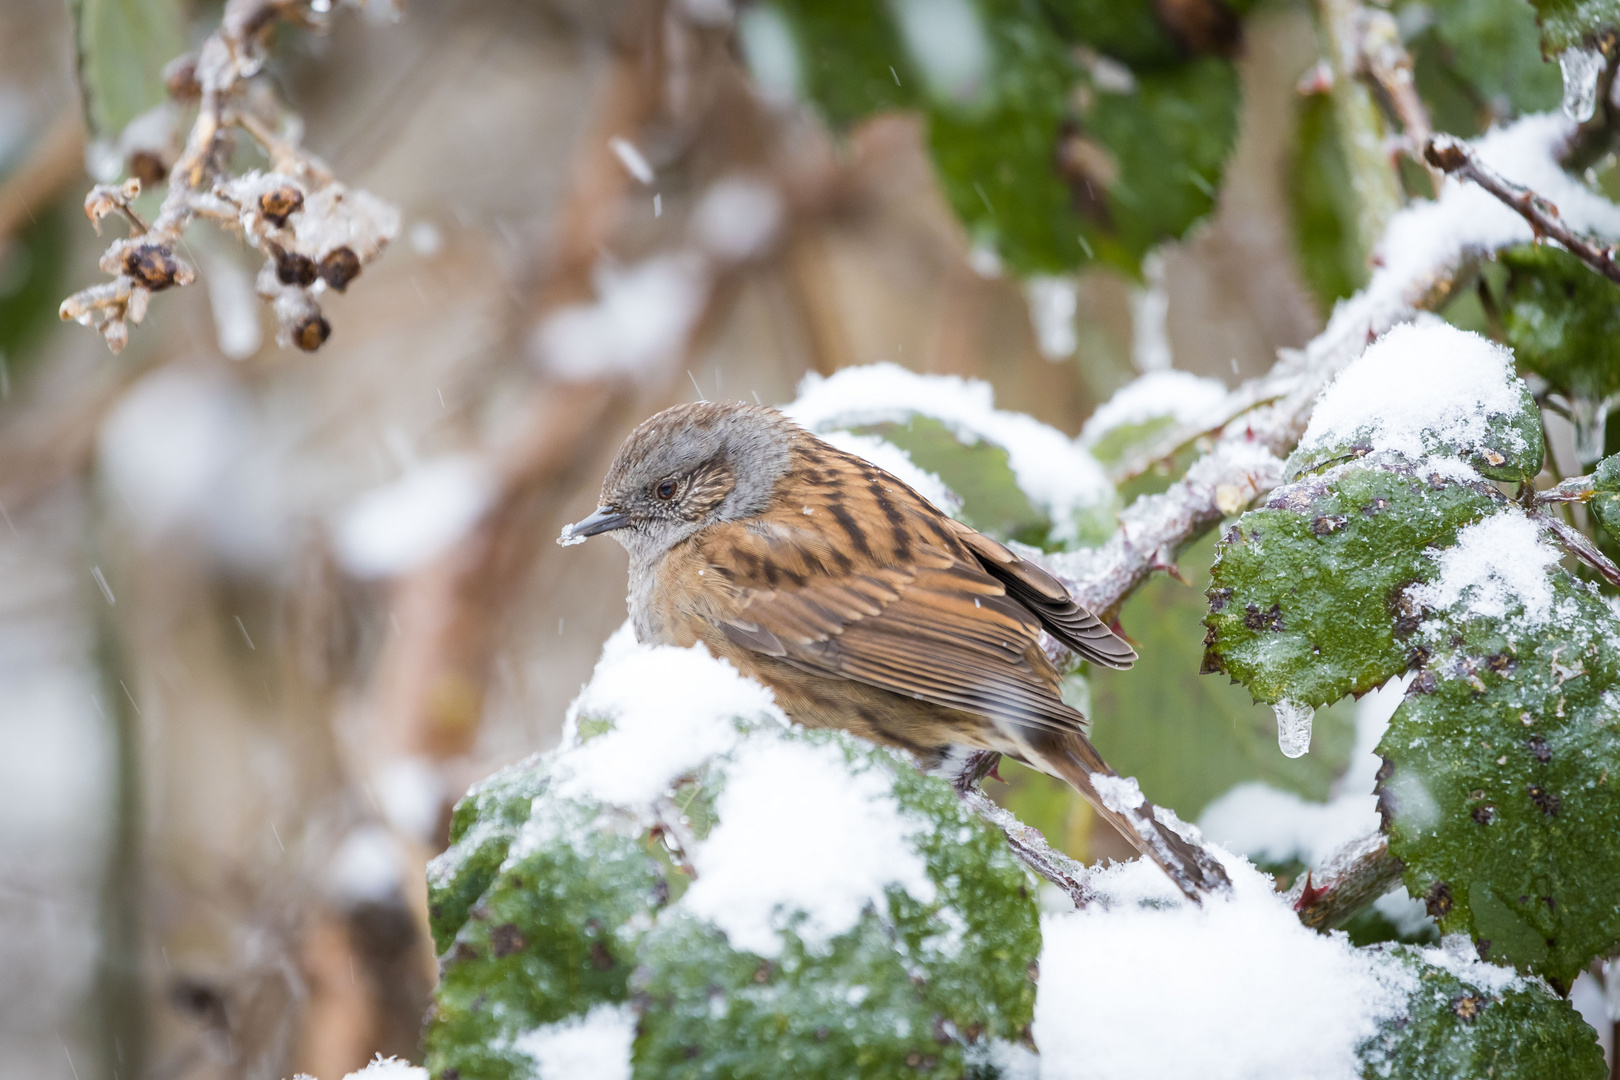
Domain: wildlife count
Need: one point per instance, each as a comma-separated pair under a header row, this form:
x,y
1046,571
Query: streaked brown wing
x,y
939,629
1051,603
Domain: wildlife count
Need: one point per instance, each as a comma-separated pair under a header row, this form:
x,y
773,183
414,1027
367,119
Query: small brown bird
x,y
861,605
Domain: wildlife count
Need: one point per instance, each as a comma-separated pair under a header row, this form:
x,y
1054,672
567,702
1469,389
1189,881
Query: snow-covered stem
x,y
1245,460
1346,882
1455,157
336,233
1580,545
1031,847
1025,841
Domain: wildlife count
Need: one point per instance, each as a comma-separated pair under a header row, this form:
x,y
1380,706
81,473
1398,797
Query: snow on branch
x,y
316,233
1453,155
1427,248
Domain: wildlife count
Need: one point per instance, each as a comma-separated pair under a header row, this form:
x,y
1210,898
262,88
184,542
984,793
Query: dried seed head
x,y
154,266
294,269
339,267
180,78
311,332
280,202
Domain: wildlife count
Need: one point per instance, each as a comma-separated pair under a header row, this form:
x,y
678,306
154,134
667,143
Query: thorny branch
x,y
1347,881
1580,545
1245,460
315,232
1454,156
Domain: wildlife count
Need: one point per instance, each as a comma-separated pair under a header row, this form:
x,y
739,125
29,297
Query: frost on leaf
x,y
1308,599
1427,390
1498,790
1463,1018
751,900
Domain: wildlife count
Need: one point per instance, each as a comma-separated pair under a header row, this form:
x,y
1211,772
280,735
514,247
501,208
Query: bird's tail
x,y
1118,799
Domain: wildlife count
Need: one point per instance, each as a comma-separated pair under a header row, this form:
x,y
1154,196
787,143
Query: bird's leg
x,y
975,767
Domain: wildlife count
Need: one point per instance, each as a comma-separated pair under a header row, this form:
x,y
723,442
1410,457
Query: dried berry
x,y
294,269
278,203
155,267
339,267
147,167
180,78
311,332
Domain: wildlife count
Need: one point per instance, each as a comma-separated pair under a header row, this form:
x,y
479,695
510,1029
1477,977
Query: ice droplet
x,y
1293,727
1581,68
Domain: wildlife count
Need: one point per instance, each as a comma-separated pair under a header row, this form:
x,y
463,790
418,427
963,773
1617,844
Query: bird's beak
x,y
606,519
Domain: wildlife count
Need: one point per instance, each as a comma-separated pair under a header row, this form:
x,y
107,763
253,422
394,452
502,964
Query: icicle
x,y
1581,68
1591,419
1293,727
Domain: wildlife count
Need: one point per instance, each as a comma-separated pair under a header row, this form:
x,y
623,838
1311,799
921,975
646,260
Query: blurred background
x,y
265,614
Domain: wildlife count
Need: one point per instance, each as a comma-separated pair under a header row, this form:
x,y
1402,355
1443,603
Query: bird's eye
x,y
665,489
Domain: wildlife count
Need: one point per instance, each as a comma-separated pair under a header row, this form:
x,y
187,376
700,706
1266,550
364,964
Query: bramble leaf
x,y
1501,781
1305,602
1456,1028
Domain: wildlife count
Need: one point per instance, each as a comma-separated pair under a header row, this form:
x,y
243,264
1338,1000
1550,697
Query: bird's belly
x,y
926,730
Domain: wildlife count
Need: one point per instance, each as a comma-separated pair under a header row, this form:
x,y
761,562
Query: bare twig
x,y
1346,882
316,233
1454,156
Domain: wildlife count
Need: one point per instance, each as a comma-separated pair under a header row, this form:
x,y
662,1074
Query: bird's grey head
x,y
685,468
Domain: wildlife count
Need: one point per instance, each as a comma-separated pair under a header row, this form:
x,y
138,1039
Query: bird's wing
x,y
1050,601
934,626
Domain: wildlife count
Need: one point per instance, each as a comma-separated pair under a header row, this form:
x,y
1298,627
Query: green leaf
x,y
1306,594
1188,739
1512,448
122,47
571,907
1050,191
851,59
1044,162
1501,782
1322,200
976,473
888,999
1456,1029
1570,24
1562,320
1477,61
481,832
553,934
1605,502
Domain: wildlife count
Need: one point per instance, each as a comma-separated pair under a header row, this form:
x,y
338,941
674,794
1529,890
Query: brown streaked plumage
x,y
858,602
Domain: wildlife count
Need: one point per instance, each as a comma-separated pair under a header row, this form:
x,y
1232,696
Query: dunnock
x,y
861,605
